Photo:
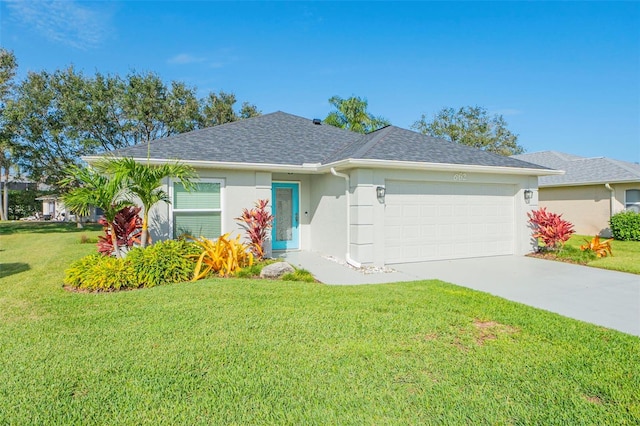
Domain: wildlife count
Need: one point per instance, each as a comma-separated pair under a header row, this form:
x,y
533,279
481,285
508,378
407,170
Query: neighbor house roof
x,y
280,139
582,170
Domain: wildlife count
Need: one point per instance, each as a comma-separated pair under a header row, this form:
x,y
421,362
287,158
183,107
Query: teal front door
x,y
285,233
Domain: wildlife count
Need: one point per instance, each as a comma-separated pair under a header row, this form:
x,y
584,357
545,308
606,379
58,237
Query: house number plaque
x,y
460,177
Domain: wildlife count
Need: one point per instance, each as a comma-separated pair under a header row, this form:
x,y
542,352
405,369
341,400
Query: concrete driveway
x,y
607,298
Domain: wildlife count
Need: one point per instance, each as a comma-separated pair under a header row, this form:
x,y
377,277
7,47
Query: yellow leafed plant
x,y
599,248
223,256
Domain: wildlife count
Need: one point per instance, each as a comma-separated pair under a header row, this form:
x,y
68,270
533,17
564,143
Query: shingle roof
x,y
581,170
397,144
285,139
276,138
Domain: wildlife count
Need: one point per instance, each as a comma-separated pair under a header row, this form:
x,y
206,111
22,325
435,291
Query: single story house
x,y
390,196
53,208
591,190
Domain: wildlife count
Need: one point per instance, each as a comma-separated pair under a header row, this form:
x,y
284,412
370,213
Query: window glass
x,y
197,213
198,224
206,195
632,200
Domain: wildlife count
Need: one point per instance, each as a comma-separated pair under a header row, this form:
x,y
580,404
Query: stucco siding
x,y
328,215
588,207
241,190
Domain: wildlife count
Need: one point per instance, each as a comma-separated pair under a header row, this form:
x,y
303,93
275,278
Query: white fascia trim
x,y
312,168
292,168
417,165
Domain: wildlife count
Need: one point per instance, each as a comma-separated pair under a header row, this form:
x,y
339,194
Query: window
x,y
632,200
199,212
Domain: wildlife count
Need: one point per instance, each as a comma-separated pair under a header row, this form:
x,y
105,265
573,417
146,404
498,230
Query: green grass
x,y
242,351
626,254
299,275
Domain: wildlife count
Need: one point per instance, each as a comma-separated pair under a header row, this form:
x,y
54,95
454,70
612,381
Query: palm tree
x,y
352,114
93,189
144,181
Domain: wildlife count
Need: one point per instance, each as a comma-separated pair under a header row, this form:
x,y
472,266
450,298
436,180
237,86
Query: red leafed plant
x,y
550,227
128,226
257,223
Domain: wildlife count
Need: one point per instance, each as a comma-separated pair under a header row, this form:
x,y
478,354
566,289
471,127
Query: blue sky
x,y
565,76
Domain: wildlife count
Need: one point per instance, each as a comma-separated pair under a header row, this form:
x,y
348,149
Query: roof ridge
x,y
624,165
383,132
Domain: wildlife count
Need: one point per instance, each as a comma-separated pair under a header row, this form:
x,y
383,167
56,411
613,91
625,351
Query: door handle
x,y
297,217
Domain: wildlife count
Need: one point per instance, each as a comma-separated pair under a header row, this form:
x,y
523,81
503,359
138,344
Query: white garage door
x,y
437,220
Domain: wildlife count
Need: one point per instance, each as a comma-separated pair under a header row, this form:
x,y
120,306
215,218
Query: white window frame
x,y
629,204
173,211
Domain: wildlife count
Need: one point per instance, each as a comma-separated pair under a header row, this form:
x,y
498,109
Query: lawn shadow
x,y
7,228
7,269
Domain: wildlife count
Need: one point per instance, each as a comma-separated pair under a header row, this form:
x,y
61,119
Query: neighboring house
x,y
53,208
591,190
391,196
18,184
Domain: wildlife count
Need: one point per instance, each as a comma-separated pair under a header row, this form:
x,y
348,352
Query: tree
x,y
145,182
352,114
55,118
44,117
218,109
62,116
471,126
90,188
8,66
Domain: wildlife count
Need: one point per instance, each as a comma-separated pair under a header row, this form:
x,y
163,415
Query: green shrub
x,y
165,262
100,273
576,255
299,275
255,269
625,226
250,271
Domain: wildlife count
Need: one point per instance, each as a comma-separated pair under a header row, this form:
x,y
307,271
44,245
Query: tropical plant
x,y
550,228
352,114
144,181
100,273
257,222
127,225
223,256
599,248
625,226
162,263
91,189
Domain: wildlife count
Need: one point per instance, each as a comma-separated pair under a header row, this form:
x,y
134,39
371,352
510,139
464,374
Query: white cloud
x,y
66,21
185,58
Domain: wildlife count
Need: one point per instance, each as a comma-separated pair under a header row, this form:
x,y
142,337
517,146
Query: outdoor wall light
x,y
528,194
380,193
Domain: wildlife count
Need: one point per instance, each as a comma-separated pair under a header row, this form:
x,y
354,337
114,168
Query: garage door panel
x,y
440,220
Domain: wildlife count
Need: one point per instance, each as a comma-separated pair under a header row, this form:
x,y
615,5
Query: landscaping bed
x,y
625,258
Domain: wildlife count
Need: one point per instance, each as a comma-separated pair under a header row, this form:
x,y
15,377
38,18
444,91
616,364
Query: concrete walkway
x,y
607,298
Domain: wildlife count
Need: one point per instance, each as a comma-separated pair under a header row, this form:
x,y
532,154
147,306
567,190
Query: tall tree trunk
x,y
144,238
114,241
4,211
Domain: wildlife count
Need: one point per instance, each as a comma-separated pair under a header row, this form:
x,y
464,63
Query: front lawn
x,y
626,254
243,351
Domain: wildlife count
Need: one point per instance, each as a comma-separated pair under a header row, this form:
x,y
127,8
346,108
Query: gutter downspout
x,y
611,199
347,256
